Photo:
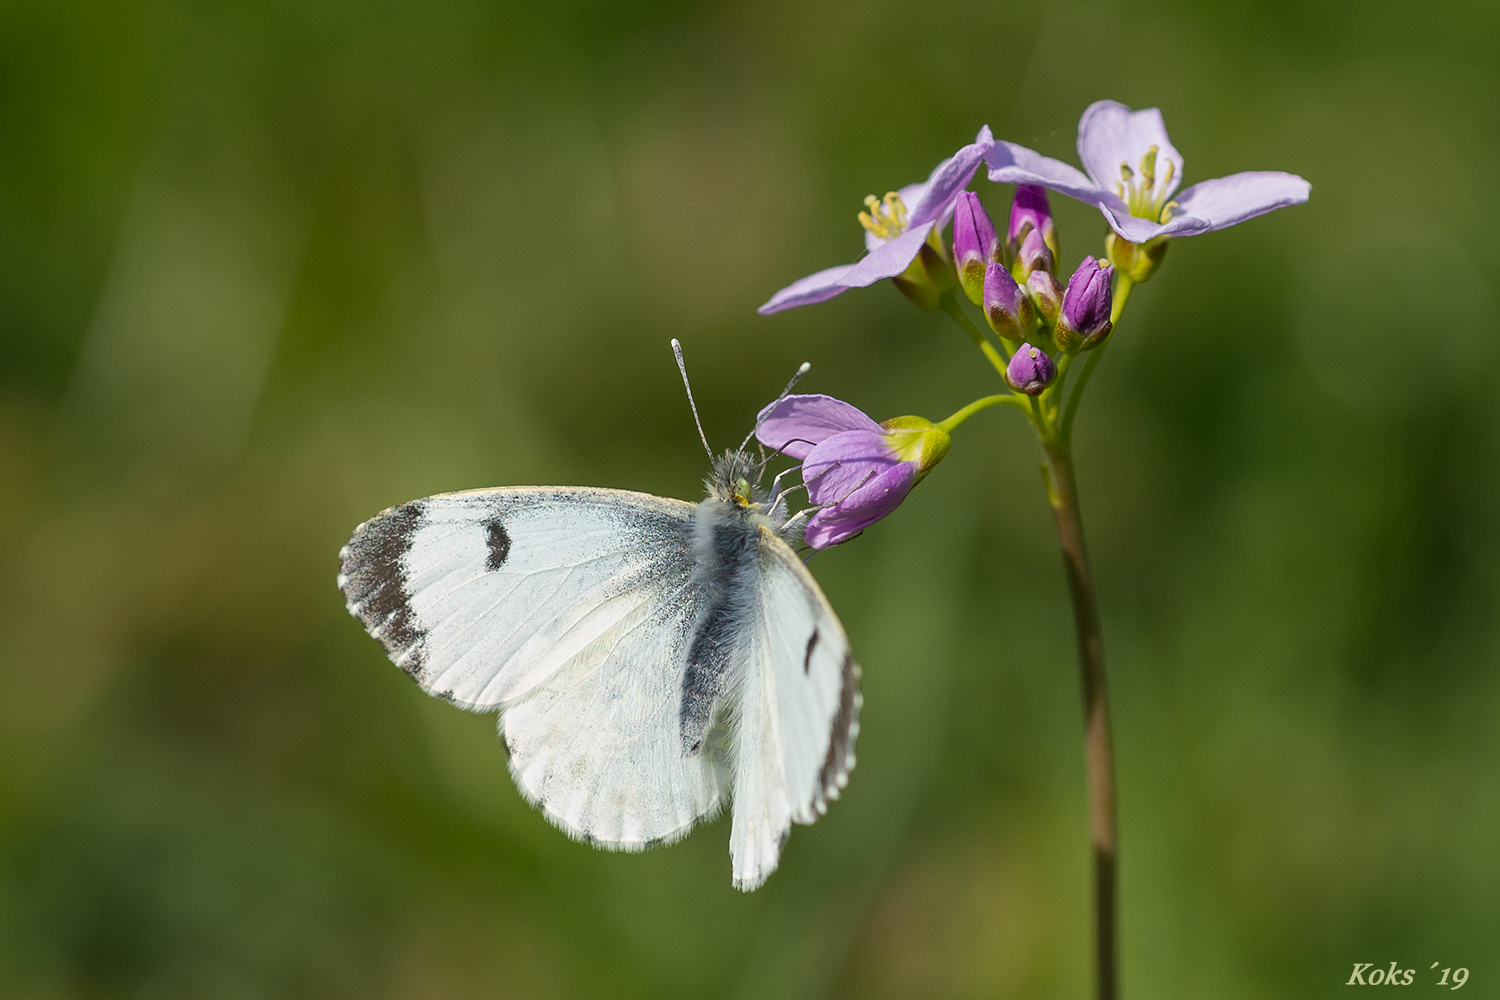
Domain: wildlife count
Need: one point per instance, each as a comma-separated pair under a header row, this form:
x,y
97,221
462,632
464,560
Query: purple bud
x,y
1047,293
1006,307
1085,321
1030,370
974,244
1030,209
1035,255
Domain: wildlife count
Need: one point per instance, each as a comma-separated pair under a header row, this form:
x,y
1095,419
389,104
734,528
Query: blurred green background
x,y
268,268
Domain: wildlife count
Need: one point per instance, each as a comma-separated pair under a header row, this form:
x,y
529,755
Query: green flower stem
x,y
1065,425
1003,399
1123,288
1052,398
1062,493
950,306
1053,420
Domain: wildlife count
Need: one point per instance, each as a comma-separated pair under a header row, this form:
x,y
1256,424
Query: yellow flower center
x,y
886,217
1138,187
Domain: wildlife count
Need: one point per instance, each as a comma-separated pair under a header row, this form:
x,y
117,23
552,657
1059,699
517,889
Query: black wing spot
x,y
499,543
812,641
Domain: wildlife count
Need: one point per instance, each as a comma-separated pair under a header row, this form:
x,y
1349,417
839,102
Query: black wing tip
x,y
373,581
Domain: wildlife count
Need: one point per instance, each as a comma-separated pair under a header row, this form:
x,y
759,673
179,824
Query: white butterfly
x,y
650,658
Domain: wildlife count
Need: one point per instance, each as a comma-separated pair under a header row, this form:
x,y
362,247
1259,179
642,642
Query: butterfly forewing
x,y
570,609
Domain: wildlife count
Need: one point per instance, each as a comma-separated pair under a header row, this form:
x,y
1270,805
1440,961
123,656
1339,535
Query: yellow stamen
x,y
886,217
1148,166
1141,192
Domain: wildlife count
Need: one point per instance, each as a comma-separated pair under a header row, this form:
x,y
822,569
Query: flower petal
x,y
842,462
1013,164
887,260
1225,201
1110,134
935,202
1138,230
818,287
933,199
797,423
875,500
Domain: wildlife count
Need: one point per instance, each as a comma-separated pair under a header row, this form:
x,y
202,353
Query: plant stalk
x,y
1062,492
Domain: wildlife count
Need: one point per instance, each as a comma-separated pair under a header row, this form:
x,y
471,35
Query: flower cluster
x,y
1019,291
858,471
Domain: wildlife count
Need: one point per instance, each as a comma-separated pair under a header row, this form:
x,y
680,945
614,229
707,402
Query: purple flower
x,y
856,471
1084,320
1006,307
896,229
1133,171
1030,370
975,244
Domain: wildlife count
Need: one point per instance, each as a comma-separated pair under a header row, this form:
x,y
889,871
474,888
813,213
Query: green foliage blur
x,y
268,268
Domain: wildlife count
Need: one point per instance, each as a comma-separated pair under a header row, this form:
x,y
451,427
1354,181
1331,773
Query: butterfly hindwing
x,y
798,712
570,611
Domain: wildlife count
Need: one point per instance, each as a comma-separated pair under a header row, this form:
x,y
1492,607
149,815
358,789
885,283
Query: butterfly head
x,y
736,480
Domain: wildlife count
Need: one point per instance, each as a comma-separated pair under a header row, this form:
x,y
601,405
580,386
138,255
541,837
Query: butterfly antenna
x,y
682,367
766,457
806,367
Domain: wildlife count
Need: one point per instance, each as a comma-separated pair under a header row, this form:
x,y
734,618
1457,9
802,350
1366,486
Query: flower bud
x,y
1047,293
1085,320
928,276
1006,307
1137,261
974,244
1030,370
1031,210
1034,255
917,439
